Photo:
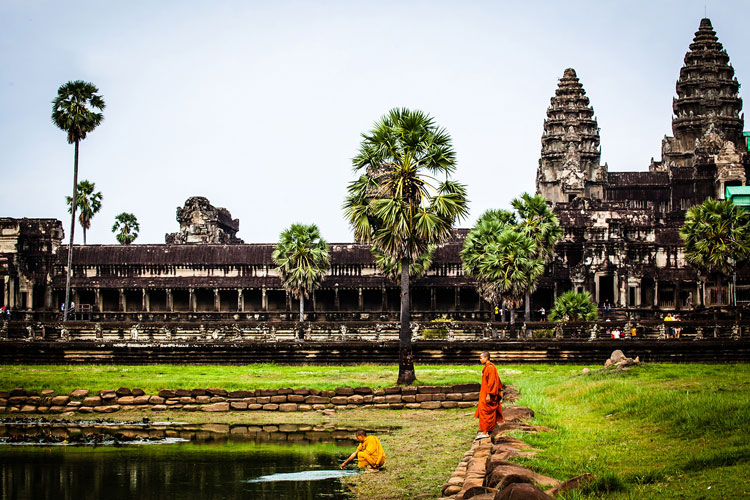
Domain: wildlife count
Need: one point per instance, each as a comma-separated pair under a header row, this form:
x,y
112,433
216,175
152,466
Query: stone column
x,y
48,297
314,301
457,298
554,292
677,295
30,298
98,299
191,300
240,301
6,290
433,300
656,293
383,299
217,300
170,300
123,302
145,301
263,299
360,301
336,301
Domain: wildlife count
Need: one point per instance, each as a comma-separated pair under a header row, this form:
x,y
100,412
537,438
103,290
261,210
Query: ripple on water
x,y
308,475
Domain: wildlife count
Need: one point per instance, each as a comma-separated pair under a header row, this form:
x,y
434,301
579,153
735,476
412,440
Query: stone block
x,y
242,394
430,405
190,407
217,399
430,389
339,400
85,409
396,406
28,409
393,398
52,409
172,401
471,396
125,400
137,392
167,394
141,400
356,399
203,399
156,400
413,406
382,406
263,399
123,391
409,389
393,390
183,393
319,407
47,392
449,404
465,388
419,398
378,392
327,394
301,392
288,407
158,407
304,407
409,398
79,393
311,400
217,392
250,400
378,400
285,391
278,399
344,391
439,396
362,390
59,400
254,406
236,405
270,407
466,404
3,401
454,396
266,392
223,406
16,400
106,408
92,401
33,400
199,392
295,398
18,391
367,398
186,400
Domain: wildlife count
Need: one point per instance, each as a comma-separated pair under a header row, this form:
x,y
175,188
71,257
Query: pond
x,y
169,460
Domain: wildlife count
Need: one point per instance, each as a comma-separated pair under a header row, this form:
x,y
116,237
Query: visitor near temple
x,y
369,454
489,410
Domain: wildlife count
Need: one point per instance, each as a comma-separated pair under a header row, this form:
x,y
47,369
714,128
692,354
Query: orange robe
x,y
370,453
489,414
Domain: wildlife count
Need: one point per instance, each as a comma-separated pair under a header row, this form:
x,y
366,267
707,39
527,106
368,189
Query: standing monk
x,y
489,412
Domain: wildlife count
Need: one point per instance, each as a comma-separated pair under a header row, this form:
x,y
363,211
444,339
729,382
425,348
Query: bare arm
x,y
351,457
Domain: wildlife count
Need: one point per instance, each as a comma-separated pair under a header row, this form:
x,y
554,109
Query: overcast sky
x,y
259,106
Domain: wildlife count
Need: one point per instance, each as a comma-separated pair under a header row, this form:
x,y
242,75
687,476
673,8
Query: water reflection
x,y
216,461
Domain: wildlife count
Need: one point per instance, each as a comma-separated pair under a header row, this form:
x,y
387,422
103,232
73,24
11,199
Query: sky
x,y
259,106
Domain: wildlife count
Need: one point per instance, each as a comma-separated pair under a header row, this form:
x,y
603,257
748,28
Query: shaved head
x,y
485,354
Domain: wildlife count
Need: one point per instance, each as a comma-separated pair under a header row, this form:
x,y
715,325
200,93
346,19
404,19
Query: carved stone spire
x,y
569,166
707,94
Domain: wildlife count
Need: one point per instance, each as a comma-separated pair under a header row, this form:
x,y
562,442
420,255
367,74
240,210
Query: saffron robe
x,y
370,453
489,414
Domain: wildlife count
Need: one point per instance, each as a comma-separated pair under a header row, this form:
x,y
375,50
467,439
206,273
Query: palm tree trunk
x,y
301,307
527,307
84,235
406,373
72,232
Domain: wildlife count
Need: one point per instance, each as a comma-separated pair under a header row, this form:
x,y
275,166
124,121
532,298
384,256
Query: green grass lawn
x,y
656,431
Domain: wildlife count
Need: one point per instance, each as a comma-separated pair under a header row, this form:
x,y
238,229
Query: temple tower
x,y
201,222
707,108
569,166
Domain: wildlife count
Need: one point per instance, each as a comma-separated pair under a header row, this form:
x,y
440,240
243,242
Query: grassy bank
x,y
657,431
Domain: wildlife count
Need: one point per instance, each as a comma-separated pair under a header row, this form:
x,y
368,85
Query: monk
x,y
489,412
369,453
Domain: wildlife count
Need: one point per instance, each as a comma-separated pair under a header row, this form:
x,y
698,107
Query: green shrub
x,y
435,333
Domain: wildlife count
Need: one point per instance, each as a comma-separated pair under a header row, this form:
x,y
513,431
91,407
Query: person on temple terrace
x,y
369,453
489,410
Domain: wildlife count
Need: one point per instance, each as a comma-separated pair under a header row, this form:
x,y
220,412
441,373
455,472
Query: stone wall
x,y
220,400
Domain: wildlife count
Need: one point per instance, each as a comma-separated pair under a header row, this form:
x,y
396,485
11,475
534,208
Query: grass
x,y
656,431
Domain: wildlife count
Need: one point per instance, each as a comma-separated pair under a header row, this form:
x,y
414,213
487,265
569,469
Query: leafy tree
x,y
574,306
398,204
391,267
76,110
88,202
302,258
717,237
128,226
538,222
502,258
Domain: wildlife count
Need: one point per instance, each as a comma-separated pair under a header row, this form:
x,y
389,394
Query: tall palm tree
x,y
717,237
391,267
76,110
538,222
399,205
302,258
88,202
502,259
128,226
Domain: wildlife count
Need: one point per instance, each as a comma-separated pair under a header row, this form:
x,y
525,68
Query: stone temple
x,y
621,239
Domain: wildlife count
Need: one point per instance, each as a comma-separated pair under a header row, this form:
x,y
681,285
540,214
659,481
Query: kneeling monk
x,y
489,410
369,453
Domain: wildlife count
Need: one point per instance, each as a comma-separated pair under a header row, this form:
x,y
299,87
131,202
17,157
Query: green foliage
x,y
397,204
574,306
88,202
716,234
77,109
391,267
502,258
538,222
128,226
435,333
302,257
543,333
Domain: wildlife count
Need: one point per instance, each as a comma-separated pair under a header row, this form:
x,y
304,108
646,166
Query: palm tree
x,y
503,260
399,206
74,110
391,267
543,226
716,236
302,258
128,226
89,202
575,306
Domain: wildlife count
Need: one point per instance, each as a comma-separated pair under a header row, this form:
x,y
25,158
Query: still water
x,y
172,461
